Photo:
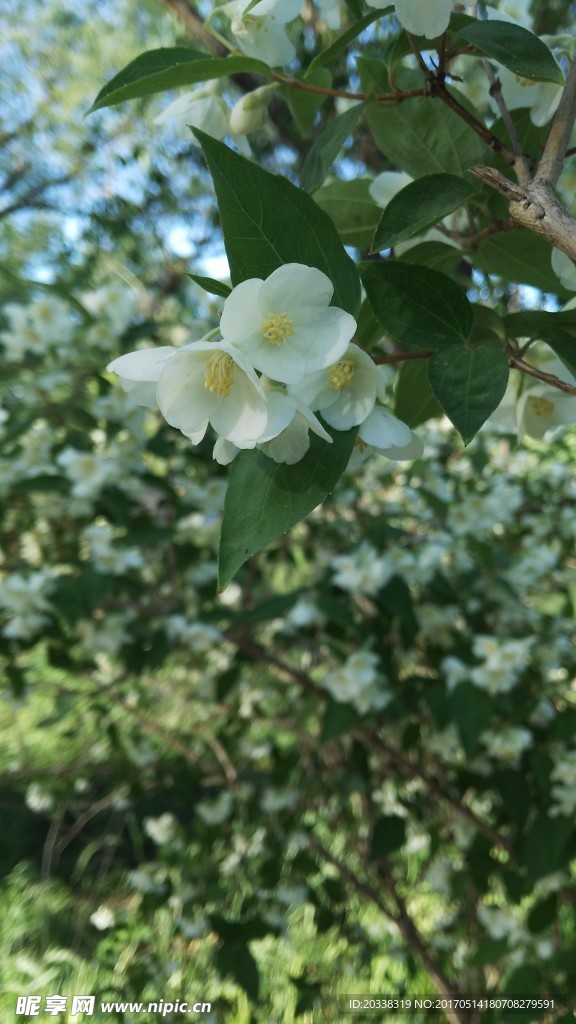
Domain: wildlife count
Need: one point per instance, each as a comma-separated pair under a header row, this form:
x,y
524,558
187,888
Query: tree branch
x,y
552,158
535,206
194,26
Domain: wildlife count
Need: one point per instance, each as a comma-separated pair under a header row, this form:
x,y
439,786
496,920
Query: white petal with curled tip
x,y
383,430
140,371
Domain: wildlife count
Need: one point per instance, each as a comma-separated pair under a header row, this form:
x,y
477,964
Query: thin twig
x,y
522,169
516,361
558,139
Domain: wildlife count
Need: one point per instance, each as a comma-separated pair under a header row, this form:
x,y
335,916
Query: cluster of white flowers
x,y
358,682
564,789
284,329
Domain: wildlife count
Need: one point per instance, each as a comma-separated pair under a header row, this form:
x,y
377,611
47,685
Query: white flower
x,y
362,572
542,97
543,407
161,830
140,371
383,431
214,812
285,437
213,382
102,918
285,325
202,109
508,744
89,471
259,29
386,185
356,682
346,391
428,18
25,598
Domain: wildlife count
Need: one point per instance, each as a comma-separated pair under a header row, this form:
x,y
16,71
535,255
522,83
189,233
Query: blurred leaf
x,y
211,286
339,719
304,105
326,147
472,710
236,961
388,835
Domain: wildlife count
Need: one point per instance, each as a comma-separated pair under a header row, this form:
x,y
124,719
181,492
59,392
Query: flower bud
x,y
249,114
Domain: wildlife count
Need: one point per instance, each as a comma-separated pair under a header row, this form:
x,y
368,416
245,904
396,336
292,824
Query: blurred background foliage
x,y
354,770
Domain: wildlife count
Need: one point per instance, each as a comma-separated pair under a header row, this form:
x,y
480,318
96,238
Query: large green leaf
x,y
516,48
267,222
421,135
170,68
351,208
563,345
326,147
418,206
469,383
419,307
531,323
264,499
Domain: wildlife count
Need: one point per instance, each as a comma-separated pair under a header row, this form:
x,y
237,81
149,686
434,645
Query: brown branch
x,y
194,26
535,206
402,357
517,362
560,131
522,169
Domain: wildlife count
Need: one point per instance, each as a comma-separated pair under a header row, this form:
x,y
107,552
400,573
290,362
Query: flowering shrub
x,y
290,668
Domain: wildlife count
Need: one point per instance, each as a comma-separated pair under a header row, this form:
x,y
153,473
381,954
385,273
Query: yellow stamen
x,y
360,445
277,328
541,406
219,373
341,374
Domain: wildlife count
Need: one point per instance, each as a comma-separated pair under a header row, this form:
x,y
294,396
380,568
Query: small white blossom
x,y
259,28
284,324
103,918
202,109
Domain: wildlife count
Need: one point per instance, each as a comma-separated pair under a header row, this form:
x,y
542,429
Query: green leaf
x,y
419,307
264,499
327,146
305,105
267,222
343,41
436,255
472,710
170,68
351,209
532,323
211,286
420,135
516,48
521,257
563,345
545,845
469,383
237,962
414,400
339,719
544,913
418,206
389,835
